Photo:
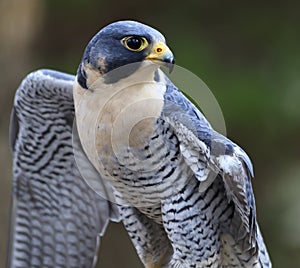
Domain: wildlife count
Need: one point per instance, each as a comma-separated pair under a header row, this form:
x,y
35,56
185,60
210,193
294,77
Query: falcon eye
x,y
135,43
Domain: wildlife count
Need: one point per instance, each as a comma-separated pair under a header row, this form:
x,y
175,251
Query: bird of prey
x,y
182,190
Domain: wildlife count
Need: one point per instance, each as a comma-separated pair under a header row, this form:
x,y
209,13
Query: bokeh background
x,y
247,53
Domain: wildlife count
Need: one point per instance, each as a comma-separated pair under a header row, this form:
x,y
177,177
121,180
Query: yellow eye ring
x,y
134,43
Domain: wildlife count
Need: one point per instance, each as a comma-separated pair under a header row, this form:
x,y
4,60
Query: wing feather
x,y
208,153
55,217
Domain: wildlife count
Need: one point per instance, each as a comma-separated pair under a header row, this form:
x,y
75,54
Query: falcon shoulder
x,y
210,154
56,218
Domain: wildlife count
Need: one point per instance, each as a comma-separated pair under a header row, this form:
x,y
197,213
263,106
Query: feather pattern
x,y
211,155
55,217
183,190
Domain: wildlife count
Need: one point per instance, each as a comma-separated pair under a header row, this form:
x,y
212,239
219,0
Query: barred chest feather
x,y
148,169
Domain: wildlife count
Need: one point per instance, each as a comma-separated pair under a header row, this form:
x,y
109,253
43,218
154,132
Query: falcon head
x,y
119,44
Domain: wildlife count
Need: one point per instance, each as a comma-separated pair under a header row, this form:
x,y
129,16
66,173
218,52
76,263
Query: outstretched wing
x,y
209,154
56,219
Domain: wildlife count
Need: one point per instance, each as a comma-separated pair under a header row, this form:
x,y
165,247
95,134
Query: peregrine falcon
x,y
182,190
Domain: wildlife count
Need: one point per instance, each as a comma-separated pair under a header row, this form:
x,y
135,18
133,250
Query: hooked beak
x,y
162,55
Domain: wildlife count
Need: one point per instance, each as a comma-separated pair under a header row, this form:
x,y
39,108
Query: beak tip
x,y
170,63
171,67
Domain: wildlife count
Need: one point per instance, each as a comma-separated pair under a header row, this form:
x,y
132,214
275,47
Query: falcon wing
x,y
56,218
209,154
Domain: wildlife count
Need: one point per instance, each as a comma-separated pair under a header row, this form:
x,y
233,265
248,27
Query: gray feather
x,y
55,216
209,153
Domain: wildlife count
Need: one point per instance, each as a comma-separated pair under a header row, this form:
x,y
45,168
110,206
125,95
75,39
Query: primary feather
x,y
55,217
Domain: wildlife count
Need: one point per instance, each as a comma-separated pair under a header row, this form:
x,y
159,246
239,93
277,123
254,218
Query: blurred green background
x,y
247,53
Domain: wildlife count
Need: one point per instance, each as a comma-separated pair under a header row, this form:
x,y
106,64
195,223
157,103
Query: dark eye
x,y
135,43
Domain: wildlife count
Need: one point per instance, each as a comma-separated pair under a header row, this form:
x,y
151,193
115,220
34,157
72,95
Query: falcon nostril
x,y
159,50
